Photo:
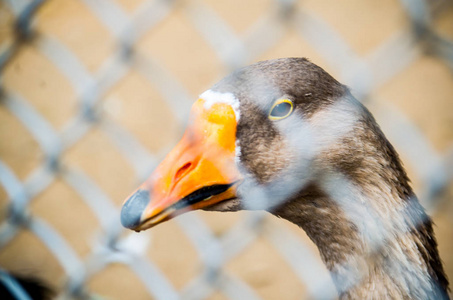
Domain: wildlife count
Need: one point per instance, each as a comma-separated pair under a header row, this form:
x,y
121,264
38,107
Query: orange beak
x,y
199,172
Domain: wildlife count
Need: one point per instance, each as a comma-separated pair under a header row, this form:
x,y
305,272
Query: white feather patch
x,y
237,156
212,97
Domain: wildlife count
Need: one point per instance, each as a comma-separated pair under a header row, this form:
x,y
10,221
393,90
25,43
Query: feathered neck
x,y
371,231
395,264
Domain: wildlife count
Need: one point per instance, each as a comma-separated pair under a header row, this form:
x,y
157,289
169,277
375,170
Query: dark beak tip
x,y
132,210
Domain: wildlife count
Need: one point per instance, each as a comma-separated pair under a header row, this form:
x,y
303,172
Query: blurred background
x,y
94,93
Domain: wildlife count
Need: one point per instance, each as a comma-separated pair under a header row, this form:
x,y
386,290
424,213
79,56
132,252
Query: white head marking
x,y
212,97
237,153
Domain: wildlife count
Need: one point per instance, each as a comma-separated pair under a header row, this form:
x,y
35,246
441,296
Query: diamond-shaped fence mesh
x,y
95,93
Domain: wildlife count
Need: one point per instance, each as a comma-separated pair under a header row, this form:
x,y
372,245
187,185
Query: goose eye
x,y
281,109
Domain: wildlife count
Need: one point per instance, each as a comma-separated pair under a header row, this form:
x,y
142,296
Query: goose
x,y
284,136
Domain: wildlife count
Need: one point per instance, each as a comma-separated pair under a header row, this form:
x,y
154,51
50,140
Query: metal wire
x,y
363,74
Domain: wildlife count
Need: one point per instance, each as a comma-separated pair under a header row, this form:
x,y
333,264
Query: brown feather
x,y
405,264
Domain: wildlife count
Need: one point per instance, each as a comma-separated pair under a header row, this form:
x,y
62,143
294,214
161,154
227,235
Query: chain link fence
x,y
95,93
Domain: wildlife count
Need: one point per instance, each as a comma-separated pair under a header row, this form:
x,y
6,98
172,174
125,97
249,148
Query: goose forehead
x,y
211,97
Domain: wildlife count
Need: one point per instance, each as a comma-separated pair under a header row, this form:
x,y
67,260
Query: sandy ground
x,y
422,92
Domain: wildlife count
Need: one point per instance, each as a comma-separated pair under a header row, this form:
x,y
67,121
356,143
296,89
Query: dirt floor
x,y
422,92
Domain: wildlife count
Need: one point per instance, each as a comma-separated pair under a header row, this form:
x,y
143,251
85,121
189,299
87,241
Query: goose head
x,y
253,128
284,136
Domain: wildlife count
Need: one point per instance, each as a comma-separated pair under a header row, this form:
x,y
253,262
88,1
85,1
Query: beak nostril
x,y
182,171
